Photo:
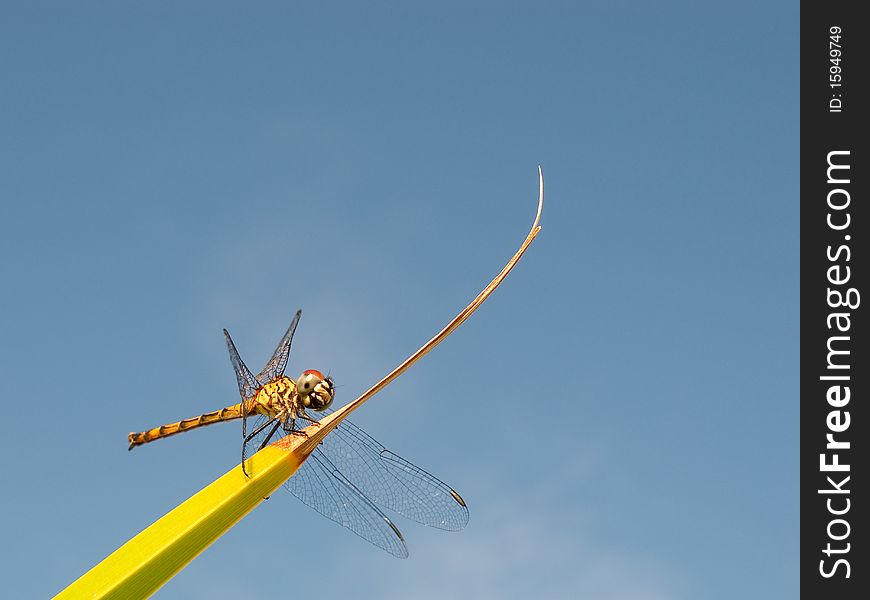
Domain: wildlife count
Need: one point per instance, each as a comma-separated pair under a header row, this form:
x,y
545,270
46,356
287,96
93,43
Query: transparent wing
x,y
248,384
320,485
278,362
350,478
391,481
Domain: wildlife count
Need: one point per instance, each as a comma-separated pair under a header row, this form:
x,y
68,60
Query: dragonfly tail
x,y
225,414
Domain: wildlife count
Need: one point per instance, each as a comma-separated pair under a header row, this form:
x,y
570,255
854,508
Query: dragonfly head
x,y
314,390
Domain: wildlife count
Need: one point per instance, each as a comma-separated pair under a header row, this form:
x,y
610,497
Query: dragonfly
x,y
350,477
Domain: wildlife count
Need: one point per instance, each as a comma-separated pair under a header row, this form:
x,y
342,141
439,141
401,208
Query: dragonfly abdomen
x,y
225,414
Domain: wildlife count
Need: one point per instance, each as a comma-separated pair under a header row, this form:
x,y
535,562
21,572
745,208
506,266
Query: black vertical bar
x,y
835,374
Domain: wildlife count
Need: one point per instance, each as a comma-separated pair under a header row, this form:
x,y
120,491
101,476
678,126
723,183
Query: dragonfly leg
x,y
269,437
290,428
251,436
303,415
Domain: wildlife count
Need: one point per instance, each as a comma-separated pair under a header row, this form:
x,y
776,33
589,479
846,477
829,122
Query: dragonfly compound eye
x,y
315,391
309,382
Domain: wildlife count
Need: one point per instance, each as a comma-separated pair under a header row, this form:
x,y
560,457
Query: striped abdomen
x,y
225,414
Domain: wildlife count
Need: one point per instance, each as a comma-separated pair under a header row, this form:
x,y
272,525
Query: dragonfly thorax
x,y
275,396
283,396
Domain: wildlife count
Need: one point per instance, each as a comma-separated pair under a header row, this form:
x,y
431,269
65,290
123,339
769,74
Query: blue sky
x,y
621,416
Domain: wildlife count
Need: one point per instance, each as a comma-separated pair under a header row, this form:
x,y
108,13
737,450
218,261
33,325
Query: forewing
x,y
278,362
350,478
323,487
393,482
248,384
